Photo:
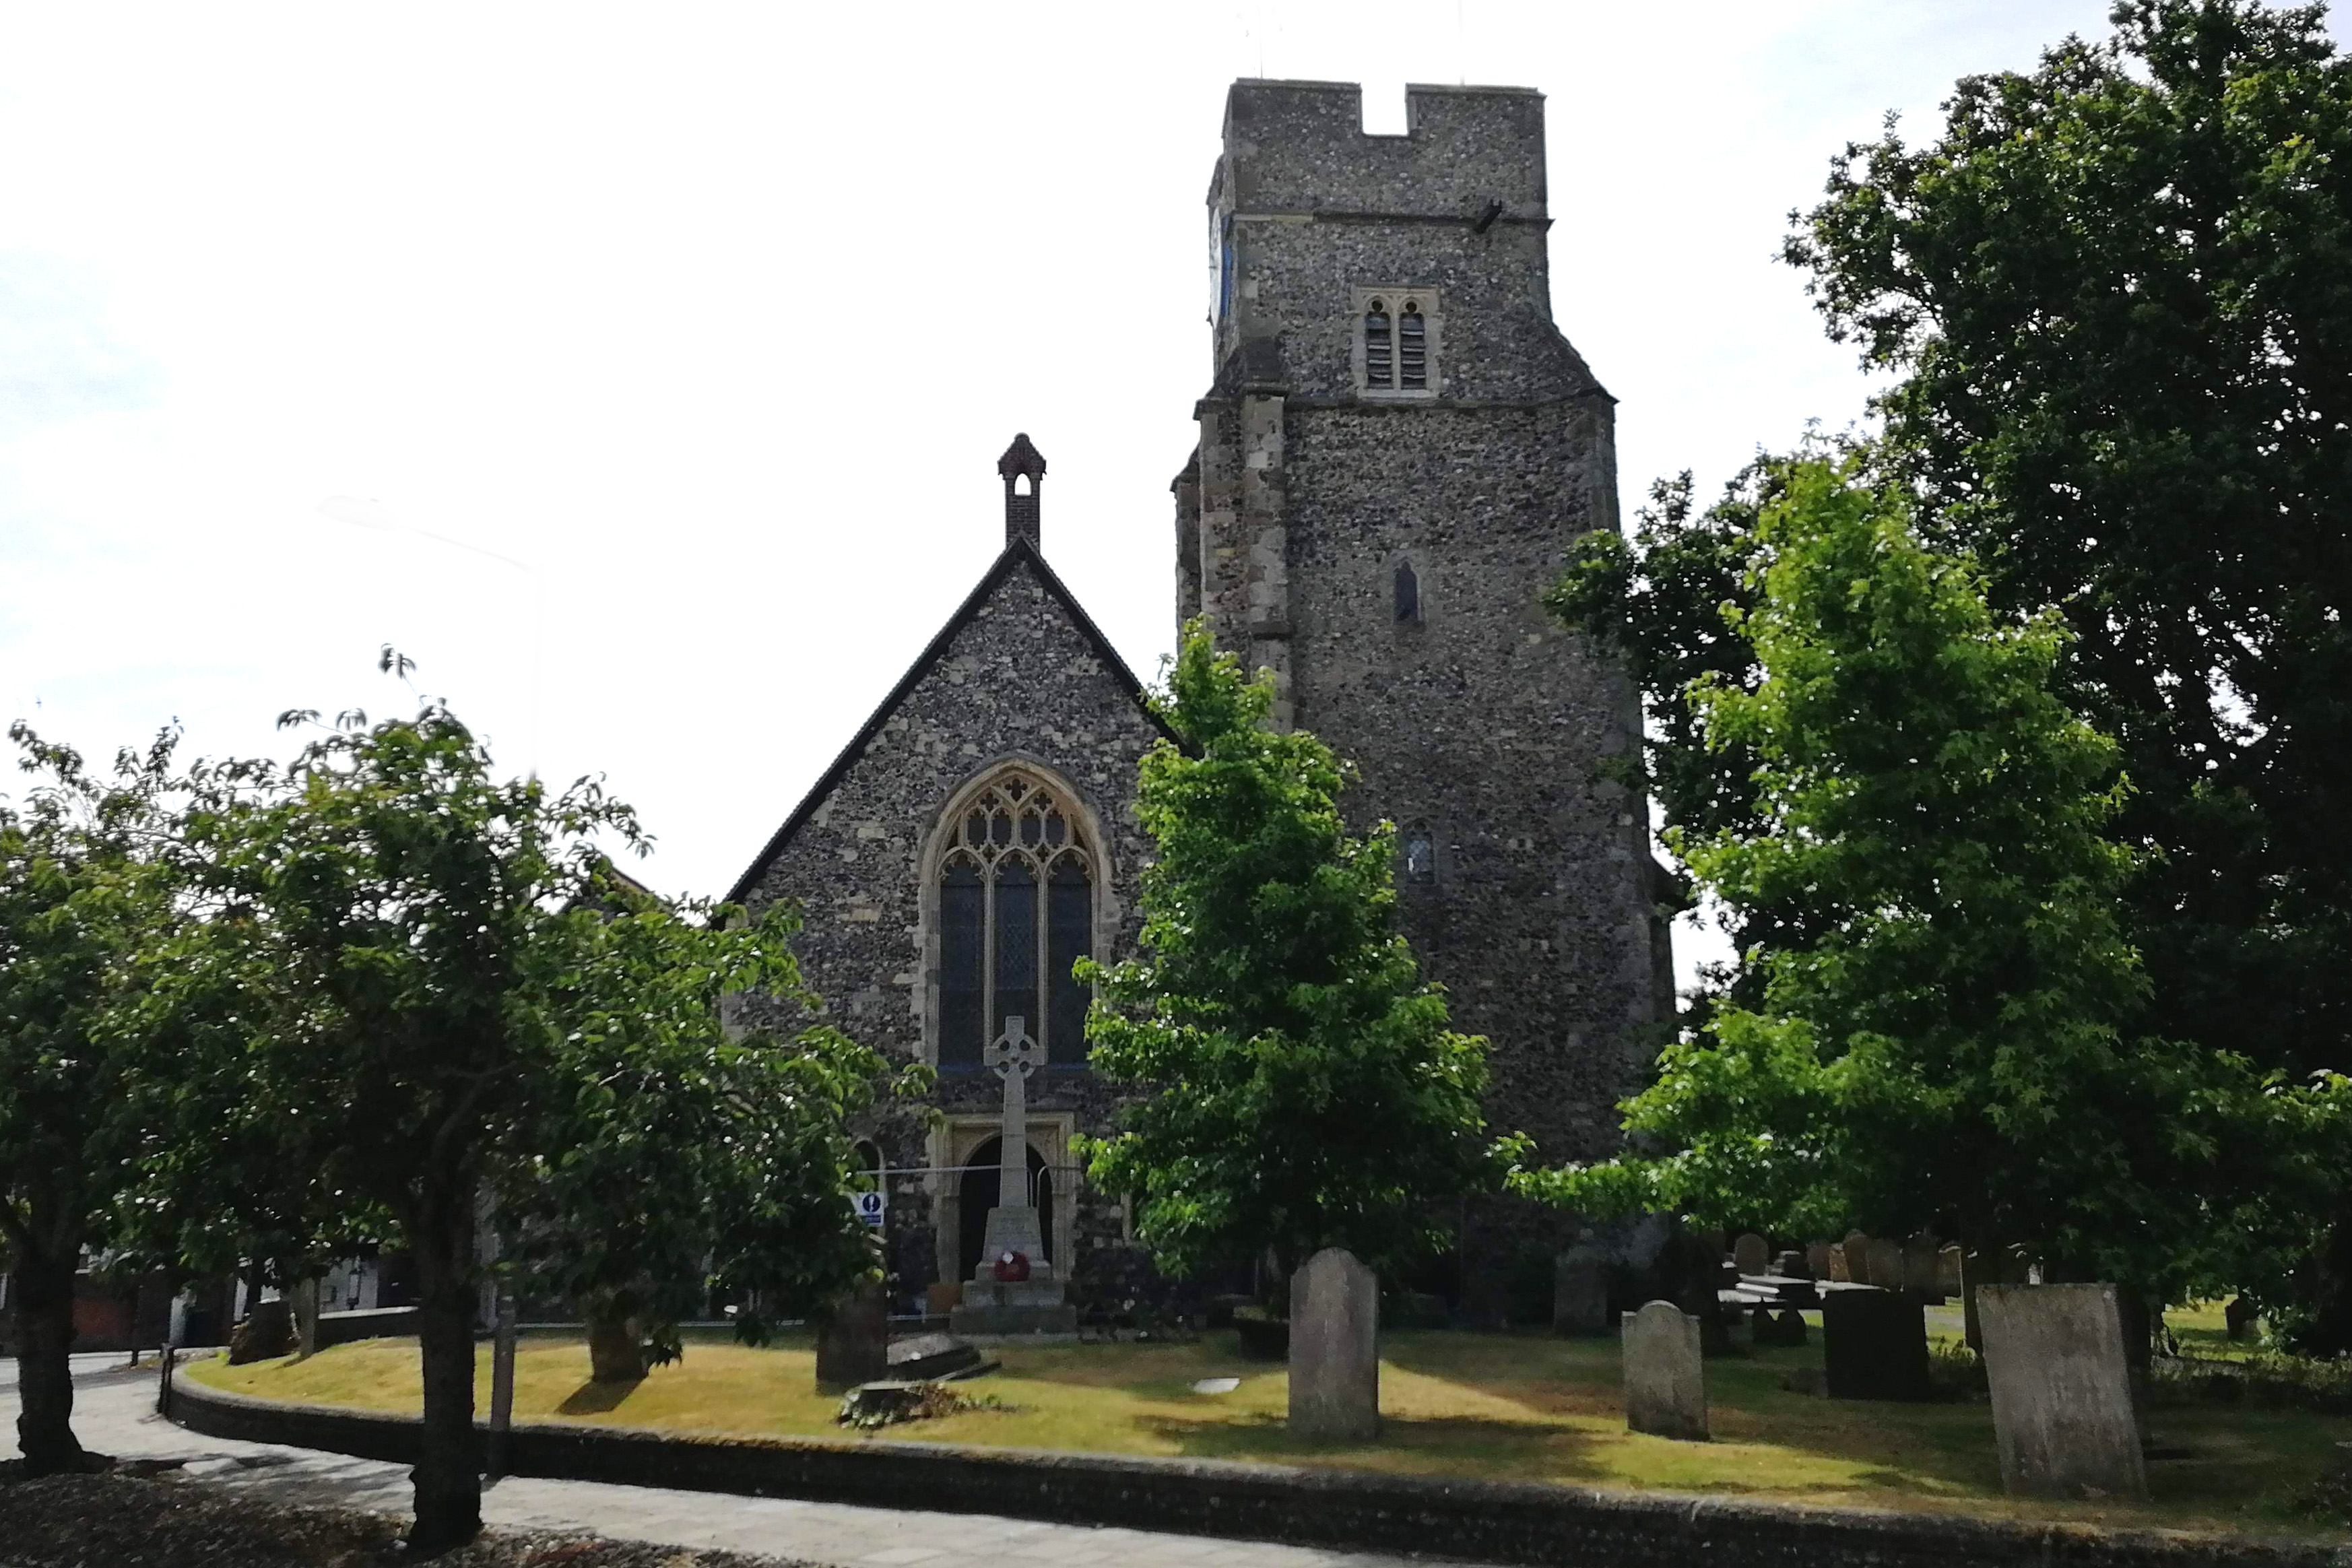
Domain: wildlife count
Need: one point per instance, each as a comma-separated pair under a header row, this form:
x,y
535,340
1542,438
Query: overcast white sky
x,y
717,317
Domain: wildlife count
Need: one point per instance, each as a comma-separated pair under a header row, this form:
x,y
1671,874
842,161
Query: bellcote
x,y
1023,473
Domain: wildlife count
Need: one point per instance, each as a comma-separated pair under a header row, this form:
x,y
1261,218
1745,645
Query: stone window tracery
x,y
1016,910
1396,348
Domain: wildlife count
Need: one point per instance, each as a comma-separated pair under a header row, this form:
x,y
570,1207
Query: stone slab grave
x,y
1874,1345
1335,1350
853,1340
935,1358
2062,1414
1751,1254
1666,1373
1580,1292
1791,1264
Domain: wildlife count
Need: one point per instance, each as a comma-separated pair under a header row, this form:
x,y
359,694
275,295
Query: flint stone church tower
x,y
1396,452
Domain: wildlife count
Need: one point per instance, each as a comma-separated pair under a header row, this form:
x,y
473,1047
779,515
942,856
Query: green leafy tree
x,y
1301,1085
451,1012
2113,289
1959,1042
752,1141
80,888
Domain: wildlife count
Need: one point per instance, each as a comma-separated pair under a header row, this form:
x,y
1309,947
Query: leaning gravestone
x,y
1580,1292
1951,1275
853,1340
1665,1375
1751,1254
2062,1399
1335,1350
1874,1345
1857,1259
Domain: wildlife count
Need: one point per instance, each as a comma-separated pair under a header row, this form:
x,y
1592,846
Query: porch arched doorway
x,y
976,1195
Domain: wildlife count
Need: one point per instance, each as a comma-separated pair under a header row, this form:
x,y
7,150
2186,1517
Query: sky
x,y
641,372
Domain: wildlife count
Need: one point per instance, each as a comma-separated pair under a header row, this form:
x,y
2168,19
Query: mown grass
x,y
1493,1407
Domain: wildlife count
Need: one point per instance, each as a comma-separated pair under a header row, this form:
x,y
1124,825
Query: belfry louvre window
x,y
1016,910
1396,341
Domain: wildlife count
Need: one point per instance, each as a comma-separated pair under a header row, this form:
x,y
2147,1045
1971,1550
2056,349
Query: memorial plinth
x,y
1039,1303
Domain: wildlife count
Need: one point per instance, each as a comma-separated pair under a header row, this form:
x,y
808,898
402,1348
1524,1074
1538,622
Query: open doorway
x,y
977,1195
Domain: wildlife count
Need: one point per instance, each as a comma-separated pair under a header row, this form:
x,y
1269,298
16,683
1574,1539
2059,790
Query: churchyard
x,y
1521,1407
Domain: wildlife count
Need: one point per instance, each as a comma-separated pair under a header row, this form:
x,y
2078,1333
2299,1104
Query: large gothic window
x,y
1016,910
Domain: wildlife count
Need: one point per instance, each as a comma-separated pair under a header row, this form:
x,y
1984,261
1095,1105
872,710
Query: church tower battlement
x,y
1397,452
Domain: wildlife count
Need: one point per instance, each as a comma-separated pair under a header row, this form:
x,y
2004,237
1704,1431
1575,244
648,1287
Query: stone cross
x,y
1014,1056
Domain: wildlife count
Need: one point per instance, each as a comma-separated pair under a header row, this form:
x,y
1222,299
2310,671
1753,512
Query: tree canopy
x,y
1300,1085
1960,1039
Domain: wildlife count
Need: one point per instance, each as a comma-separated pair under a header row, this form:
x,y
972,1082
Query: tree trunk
x,y
447,1479
304,1296
2329,1332
615,1353
41,1292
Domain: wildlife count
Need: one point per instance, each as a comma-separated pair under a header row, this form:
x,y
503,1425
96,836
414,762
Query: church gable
x,y
1019,675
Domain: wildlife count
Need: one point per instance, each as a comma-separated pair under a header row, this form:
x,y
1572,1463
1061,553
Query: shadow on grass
x,y
1498,1450
596,1399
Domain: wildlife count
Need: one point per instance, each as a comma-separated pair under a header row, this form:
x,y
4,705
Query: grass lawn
x,y
1507,1407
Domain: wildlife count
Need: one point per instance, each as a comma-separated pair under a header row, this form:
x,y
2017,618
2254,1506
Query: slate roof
x,y
1017,553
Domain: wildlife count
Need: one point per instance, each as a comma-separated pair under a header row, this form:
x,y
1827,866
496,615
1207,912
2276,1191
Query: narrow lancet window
x,y
964,934
1408,592
1412,348
1420,855
1380,369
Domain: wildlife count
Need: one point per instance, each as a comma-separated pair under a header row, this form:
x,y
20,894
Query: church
x,y
1397,449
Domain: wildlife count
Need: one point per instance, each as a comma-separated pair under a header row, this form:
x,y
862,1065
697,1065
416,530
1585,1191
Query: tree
x,y
450,1008
752,1141
2114,291
1960,1041
79,890
1302,1087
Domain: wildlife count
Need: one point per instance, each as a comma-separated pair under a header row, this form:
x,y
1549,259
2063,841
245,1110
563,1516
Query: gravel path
x,y
215,1480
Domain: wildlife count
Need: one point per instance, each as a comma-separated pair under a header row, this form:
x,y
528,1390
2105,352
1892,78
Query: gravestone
x,y
1857,1258
1840,1269
2237,1319
2062,1399
1580,1292
1335,1351
1920,1267
1874,1345
1951,1277
1665,1375
1886,1266
1785,1327
1817,1260
1751,1254
1791,1265
853,1340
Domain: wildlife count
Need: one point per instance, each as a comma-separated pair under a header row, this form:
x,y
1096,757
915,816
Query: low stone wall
x,y
1538,1526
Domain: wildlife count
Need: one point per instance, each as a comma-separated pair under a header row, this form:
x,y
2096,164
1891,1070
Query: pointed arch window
x,y
1408,592
1016,910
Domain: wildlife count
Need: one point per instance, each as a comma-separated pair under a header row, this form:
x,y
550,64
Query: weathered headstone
x,y
1920,1267
1886,1262
1665,1375
1817,1260
1874,1345
2062,1400
1580,1292
1857,1258
1751,1254
853,1340
2237,1319
267,1332
1840,1269
1950,1275
1335,1351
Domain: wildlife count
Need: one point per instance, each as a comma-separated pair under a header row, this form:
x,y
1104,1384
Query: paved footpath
x,y
114,1413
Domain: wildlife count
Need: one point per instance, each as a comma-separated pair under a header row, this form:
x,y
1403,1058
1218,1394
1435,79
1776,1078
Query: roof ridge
x,y
1016,552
